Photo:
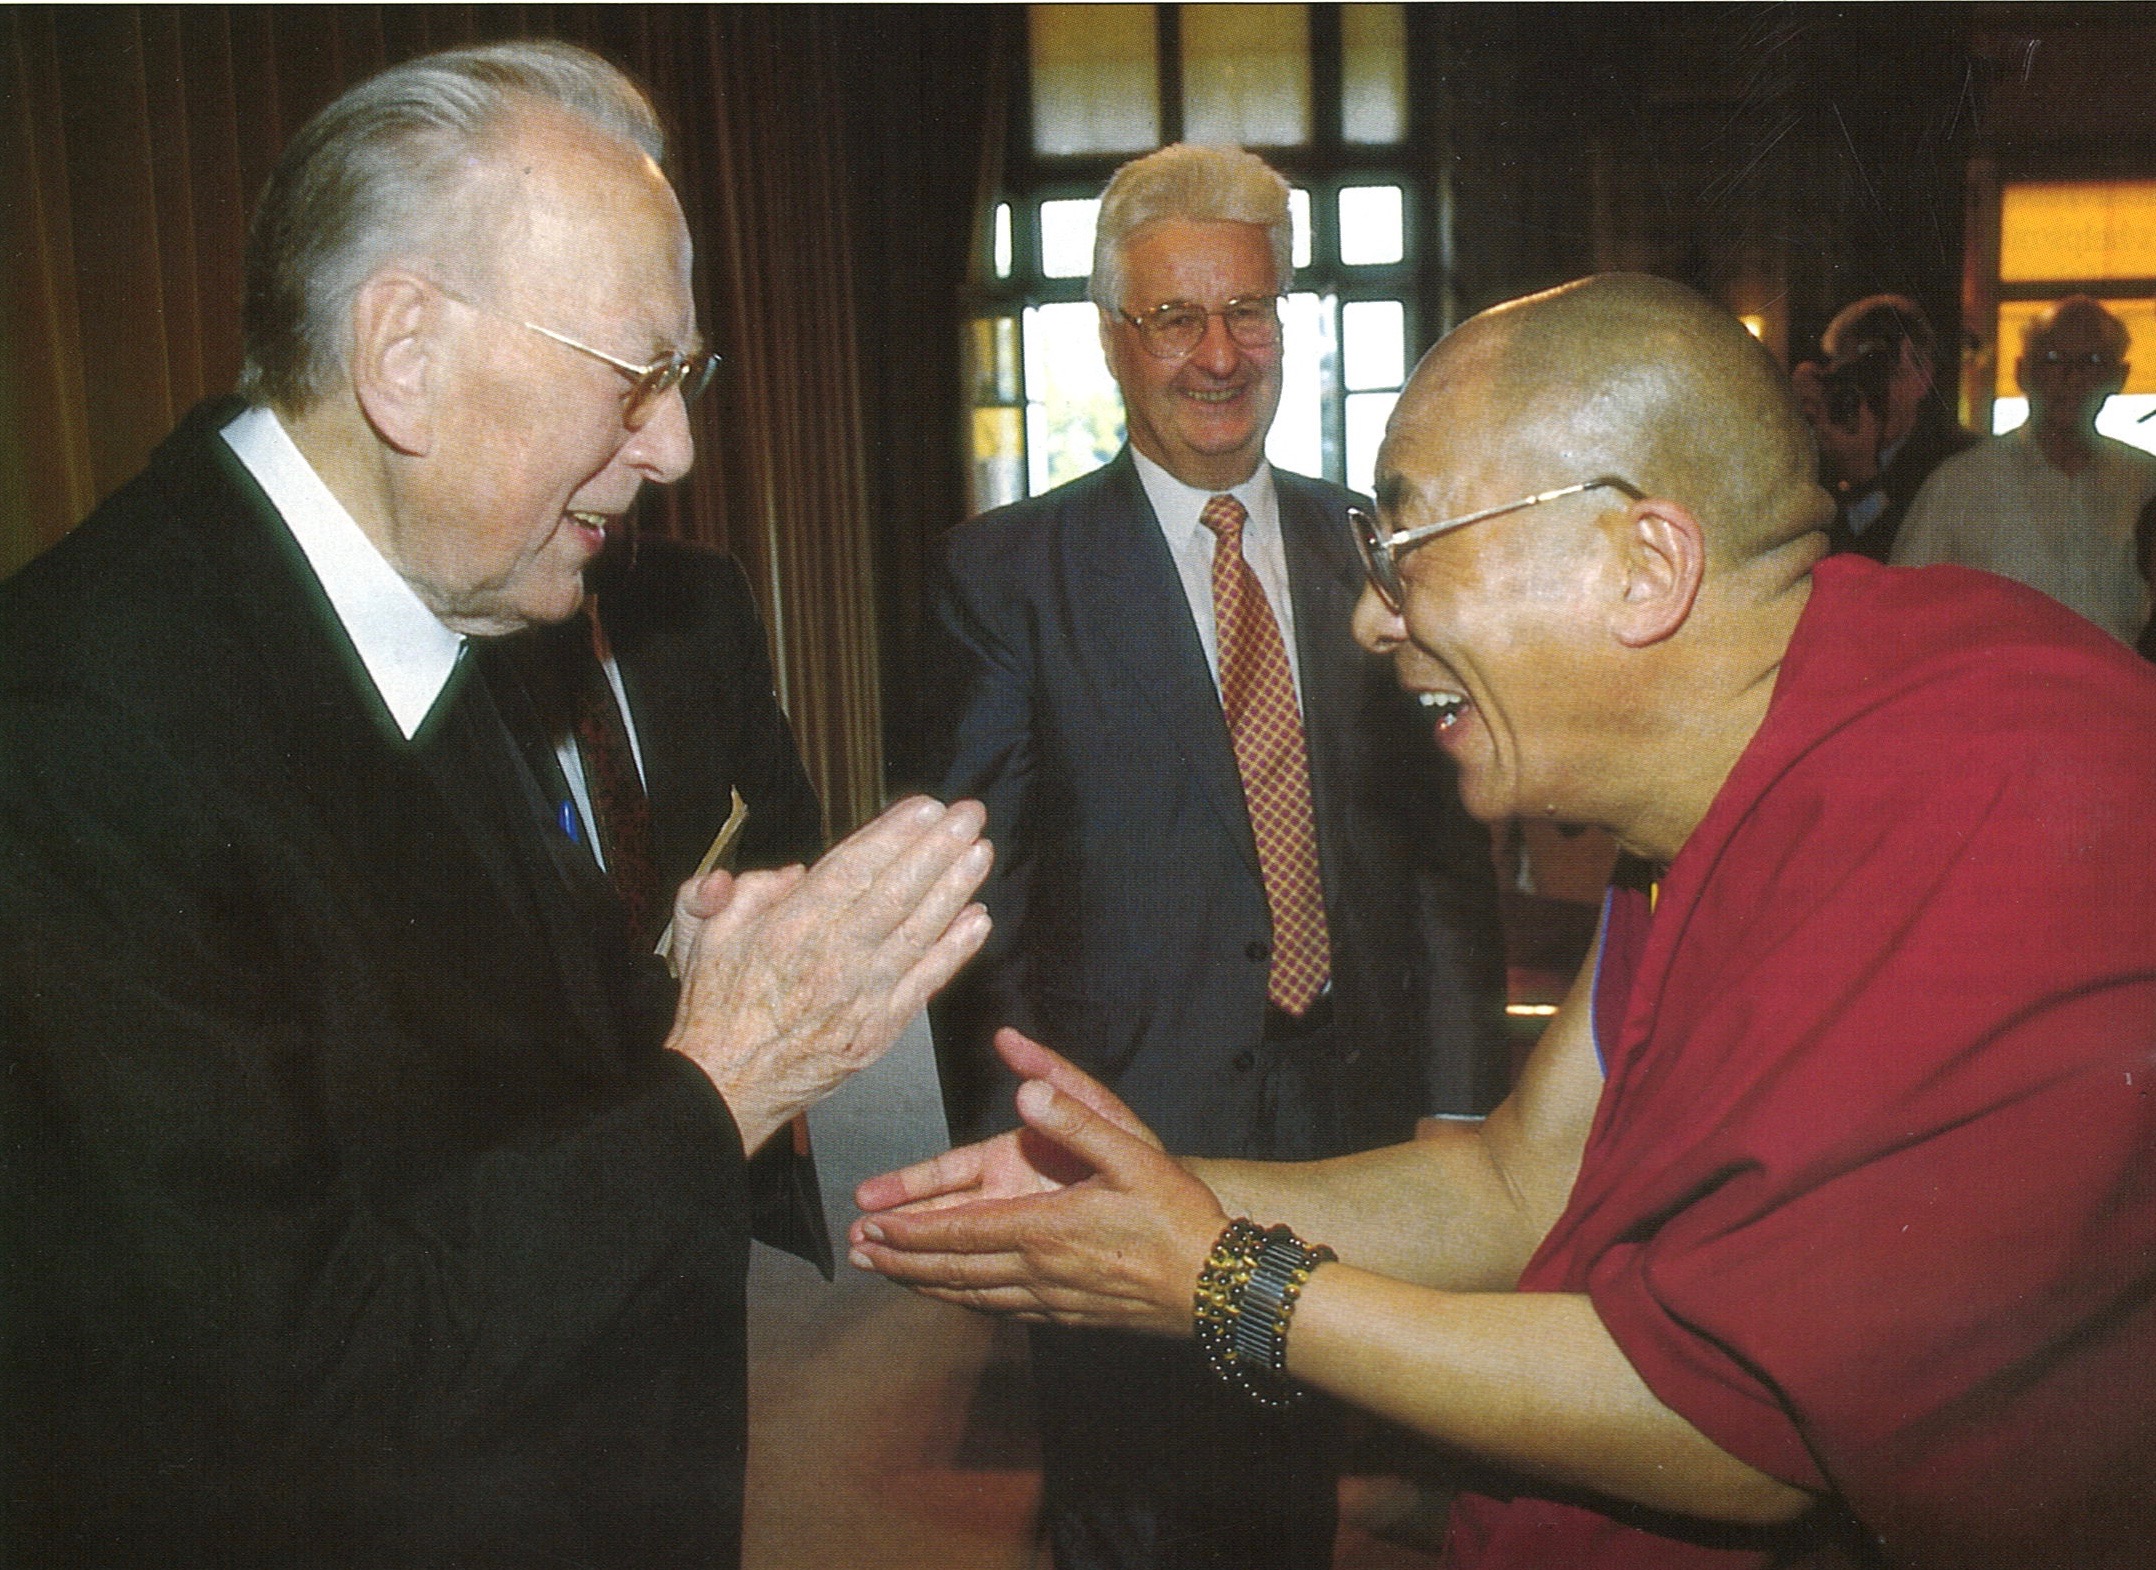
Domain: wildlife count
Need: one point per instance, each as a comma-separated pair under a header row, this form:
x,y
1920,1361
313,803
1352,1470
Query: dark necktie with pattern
x,y
620,811
1258,694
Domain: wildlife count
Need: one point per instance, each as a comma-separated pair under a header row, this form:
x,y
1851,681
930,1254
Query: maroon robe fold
x,y
1870,1196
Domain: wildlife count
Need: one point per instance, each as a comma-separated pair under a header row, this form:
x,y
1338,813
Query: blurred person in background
x,y
2051,504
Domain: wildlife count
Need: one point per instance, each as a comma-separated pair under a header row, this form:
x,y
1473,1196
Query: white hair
x,y
376,175
1199,185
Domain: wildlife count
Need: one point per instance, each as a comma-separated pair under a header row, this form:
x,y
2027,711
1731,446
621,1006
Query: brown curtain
x,y
928,89
137,137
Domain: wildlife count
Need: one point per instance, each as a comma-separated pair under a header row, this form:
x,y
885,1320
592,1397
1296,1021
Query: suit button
x,y
1351,1057
1245,1061
1255,951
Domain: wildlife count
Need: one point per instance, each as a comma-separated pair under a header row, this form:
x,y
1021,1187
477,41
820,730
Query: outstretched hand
x,y
1078,1217
1010,1165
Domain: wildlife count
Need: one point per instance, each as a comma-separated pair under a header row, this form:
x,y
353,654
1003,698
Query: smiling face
x,y
1203,417
1489,638
1495,634
531,462
1605,656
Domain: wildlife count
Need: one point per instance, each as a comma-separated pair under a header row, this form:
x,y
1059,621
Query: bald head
x,y
1620,374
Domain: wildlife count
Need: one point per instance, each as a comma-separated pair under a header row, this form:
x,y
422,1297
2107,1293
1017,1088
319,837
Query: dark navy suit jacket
x,y
1131,925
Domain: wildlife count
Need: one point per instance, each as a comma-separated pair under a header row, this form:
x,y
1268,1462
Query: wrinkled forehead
x,y
591,224
1446,450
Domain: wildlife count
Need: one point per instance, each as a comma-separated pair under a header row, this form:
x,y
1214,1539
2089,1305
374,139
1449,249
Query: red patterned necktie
x,y
621,813
1259,697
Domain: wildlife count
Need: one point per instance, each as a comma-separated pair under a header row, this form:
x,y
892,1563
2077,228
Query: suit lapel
x,y
574,904
1143,618
677,731
1325,579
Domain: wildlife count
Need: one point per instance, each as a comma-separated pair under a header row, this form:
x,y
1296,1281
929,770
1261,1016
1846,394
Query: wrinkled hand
x,y
791,981
695,903
1010,1226
1009,1165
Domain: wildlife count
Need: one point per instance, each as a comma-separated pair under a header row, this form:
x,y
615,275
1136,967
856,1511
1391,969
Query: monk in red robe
x,y
1821,1226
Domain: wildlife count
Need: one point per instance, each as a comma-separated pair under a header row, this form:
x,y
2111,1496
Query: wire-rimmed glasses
x,y
1381,552
1171,331
648,384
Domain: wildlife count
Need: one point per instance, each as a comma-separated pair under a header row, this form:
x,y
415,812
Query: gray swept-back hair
x,y
376,176
1198,184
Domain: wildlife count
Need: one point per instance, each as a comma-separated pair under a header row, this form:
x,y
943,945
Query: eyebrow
x,y
1392,489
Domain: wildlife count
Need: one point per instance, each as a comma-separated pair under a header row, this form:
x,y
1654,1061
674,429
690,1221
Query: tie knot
x,y
1225,516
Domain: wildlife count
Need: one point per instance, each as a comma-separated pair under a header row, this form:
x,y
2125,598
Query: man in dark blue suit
x,y
1234,877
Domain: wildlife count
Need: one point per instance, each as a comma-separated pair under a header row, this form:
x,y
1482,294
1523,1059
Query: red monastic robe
x,y
1870,1196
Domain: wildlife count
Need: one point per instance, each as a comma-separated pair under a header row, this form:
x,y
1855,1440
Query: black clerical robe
x,y
354,1213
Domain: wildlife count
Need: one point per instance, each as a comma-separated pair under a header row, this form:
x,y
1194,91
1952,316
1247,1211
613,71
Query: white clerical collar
x,y
407,650
1177,505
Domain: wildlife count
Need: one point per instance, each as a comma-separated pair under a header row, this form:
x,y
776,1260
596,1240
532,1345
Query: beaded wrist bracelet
x,y
1245,1298
1218,1299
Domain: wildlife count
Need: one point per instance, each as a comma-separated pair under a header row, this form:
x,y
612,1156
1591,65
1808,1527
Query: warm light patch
x,y
2082,229
1096,78
1246,74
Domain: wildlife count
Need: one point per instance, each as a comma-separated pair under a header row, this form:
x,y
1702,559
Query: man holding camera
x,y
1881,427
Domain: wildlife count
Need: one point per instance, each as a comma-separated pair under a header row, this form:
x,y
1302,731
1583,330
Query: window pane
x,y
1373,73
992,359
1366,417
1246,74
2138,315
1003,240
1371,228
2120,418
1096,78
2079,229
1297,440
999,460
1074,417
1067,236
1299,225
998,439
1373,344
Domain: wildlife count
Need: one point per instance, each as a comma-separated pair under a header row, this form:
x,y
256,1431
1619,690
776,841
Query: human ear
x,y
395,359
1662,558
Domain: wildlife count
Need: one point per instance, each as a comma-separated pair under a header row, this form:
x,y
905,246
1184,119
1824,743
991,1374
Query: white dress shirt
x,y
407,651
2003,507
1176,507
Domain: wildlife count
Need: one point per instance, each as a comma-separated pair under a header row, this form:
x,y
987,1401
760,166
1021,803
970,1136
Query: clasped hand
x,y
791,981
1077,1217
